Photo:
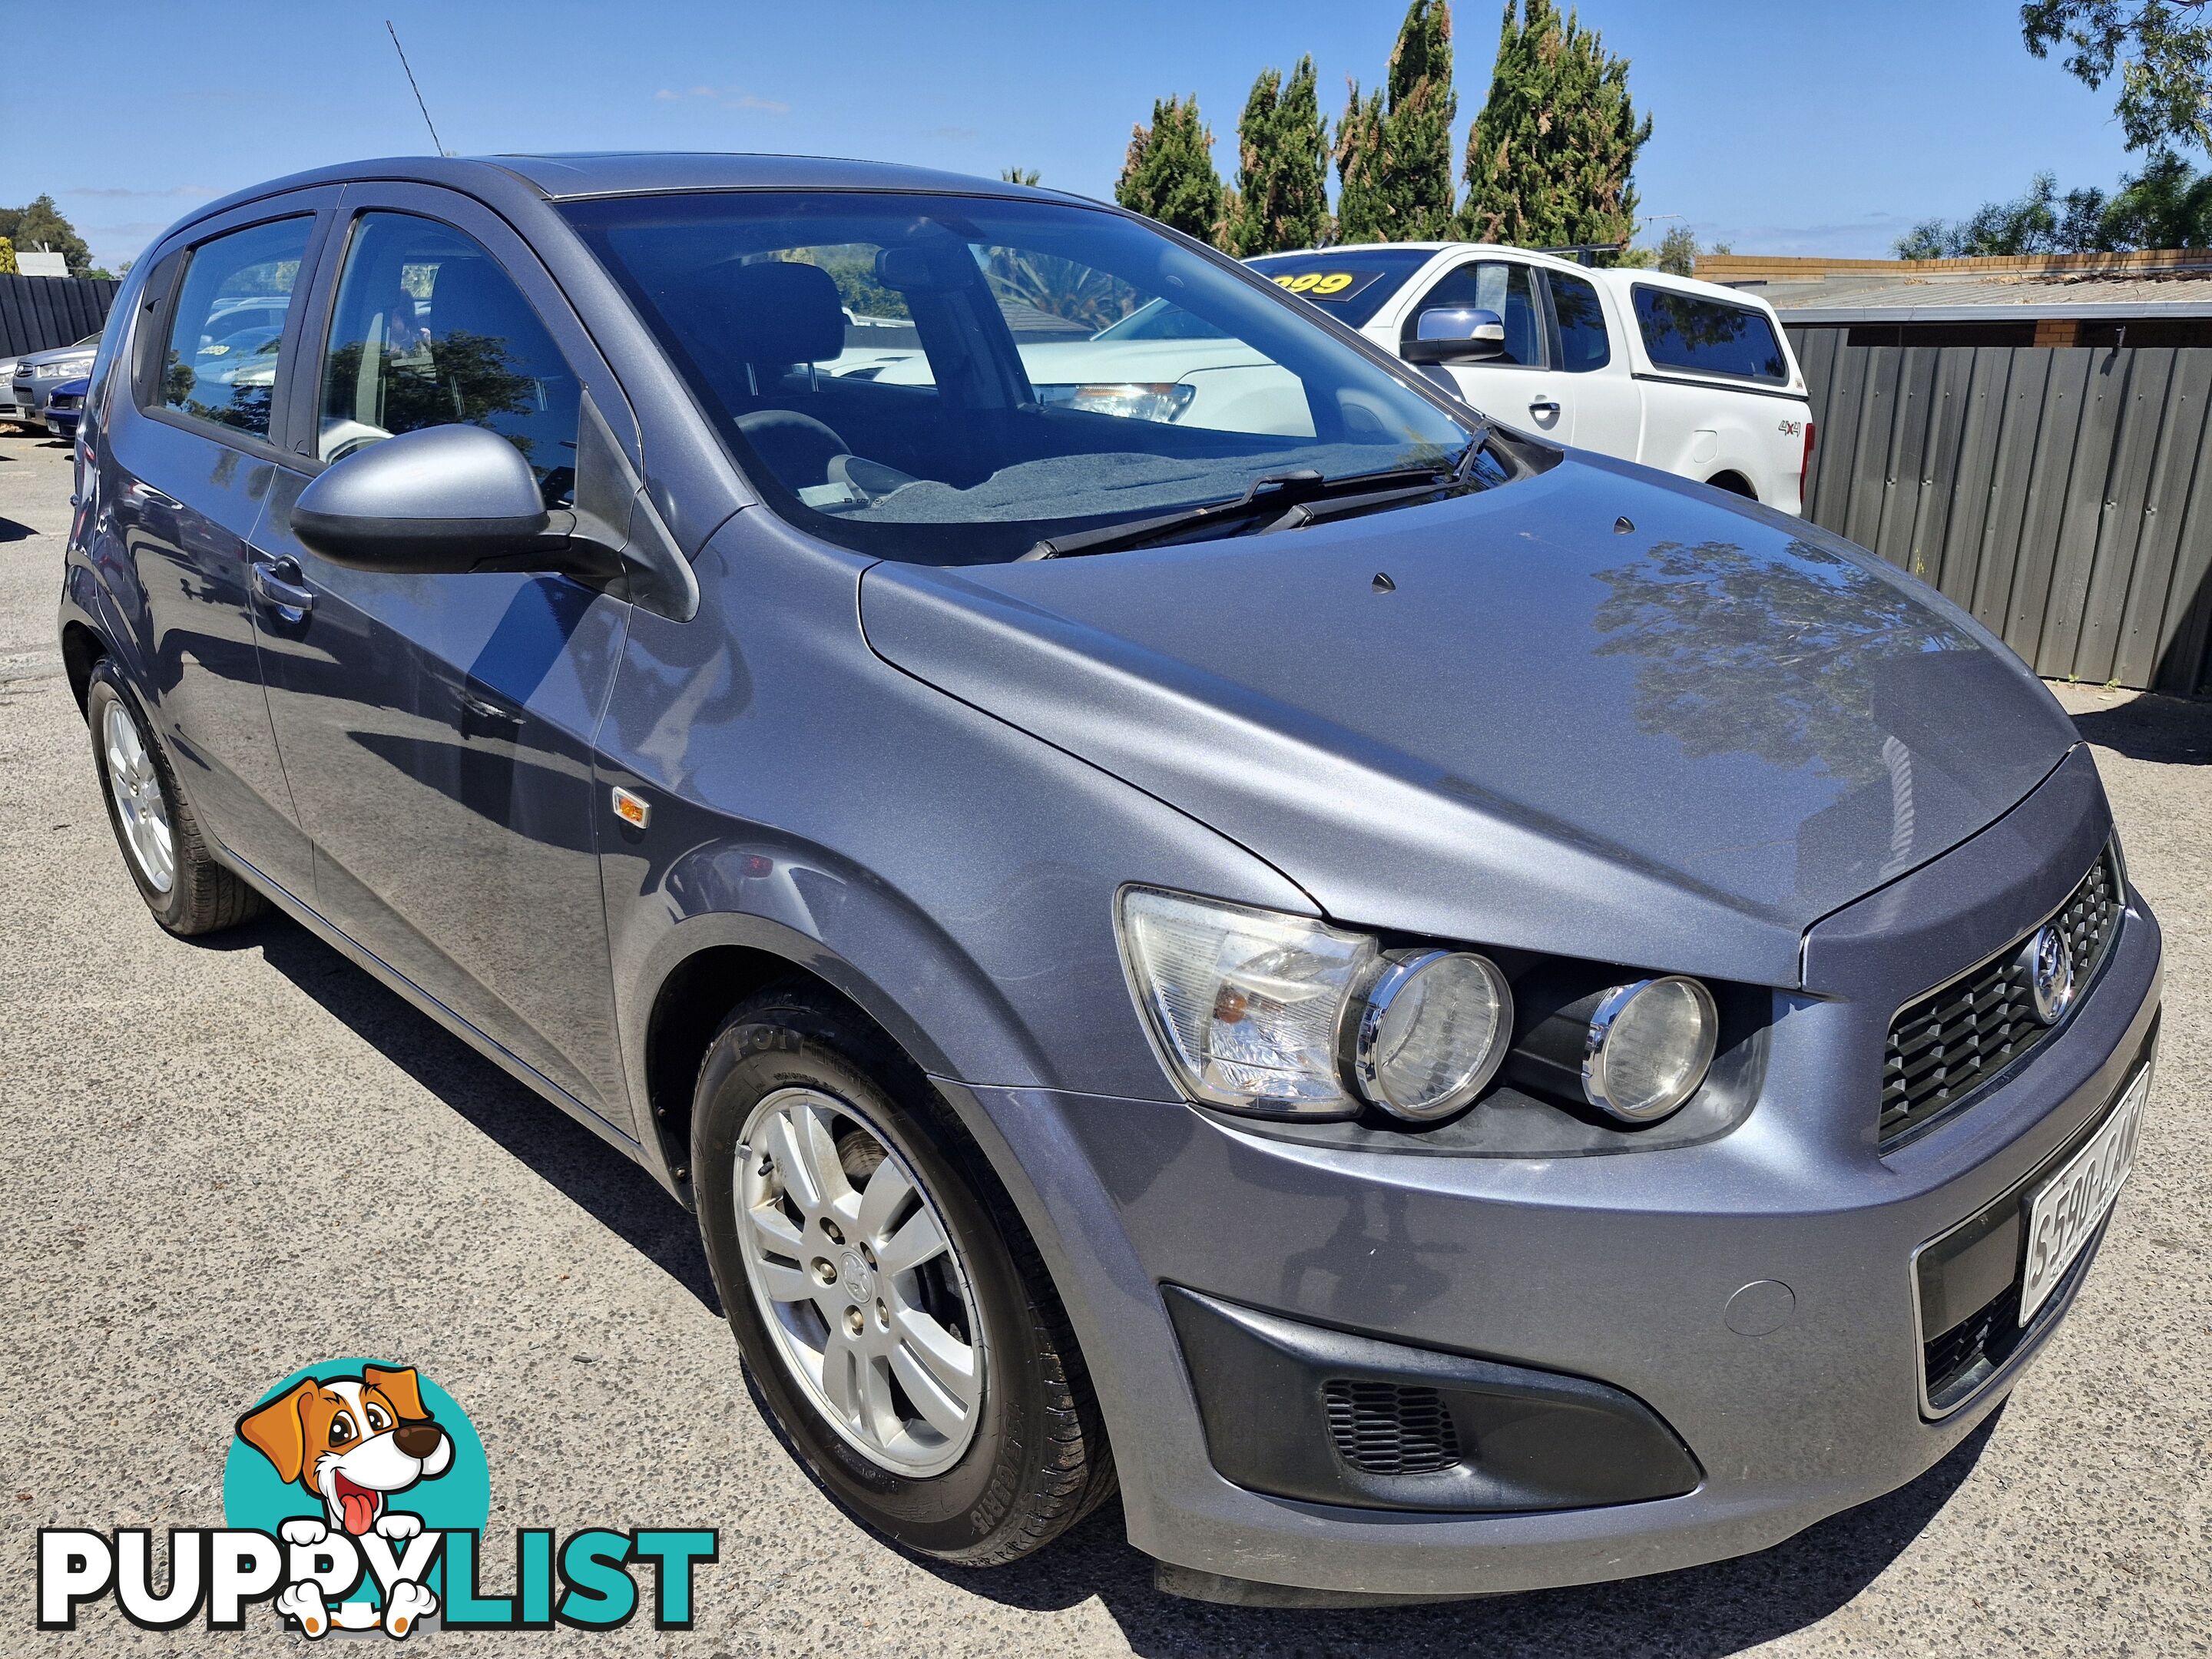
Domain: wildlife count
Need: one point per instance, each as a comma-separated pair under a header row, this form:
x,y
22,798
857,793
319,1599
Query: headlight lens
x,y
1431,1031
68,370
1648,1046
1134,400
1245,1004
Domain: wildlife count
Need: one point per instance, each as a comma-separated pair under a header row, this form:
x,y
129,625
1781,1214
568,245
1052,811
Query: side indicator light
x,y
631,809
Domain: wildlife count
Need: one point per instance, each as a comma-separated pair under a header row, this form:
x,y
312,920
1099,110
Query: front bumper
x,y
1619,1269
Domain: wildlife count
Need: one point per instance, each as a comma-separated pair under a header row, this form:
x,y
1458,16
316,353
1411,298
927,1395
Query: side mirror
x,y
441,500
1455,334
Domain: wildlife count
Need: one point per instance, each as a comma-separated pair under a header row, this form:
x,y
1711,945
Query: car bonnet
x,y
1592,712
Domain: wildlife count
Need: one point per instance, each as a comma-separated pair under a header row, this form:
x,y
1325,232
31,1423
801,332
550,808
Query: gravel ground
x,y
231,1160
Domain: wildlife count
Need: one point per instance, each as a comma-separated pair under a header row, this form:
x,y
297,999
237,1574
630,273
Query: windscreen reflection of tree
x,y
1058,287
1769,654
461,379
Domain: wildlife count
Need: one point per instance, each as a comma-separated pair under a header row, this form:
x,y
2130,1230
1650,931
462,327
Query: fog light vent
x,y
1383,1428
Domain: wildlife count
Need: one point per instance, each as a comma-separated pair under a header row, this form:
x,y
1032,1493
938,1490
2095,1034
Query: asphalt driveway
x,y
225,1161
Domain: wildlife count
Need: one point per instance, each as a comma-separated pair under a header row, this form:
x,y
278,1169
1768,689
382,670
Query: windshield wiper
x,y
1275,494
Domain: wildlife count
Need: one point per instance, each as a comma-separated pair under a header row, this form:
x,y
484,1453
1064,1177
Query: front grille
x,y
1384,1428
1959,1038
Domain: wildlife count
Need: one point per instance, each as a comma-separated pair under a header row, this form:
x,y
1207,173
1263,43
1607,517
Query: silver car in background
x,y
32,377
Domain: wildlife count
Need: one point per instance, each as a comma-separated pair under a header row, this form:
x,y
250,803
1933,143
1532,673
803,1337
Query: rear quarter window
x,y
1709,337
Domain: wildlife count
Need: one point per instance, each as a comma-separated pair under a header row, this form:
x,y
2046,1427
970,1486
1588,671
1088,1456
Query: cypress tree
x,y
1281,198
1360,213
1393,151
1168,174
1552,157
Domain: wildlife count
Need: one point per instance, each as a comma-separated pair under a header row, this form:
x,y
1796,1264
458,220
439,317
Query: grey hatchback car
x,y
1449,1014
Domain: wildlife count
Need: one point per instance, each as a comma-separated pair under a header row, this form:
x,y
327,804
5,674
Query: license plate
x,y
2065,1213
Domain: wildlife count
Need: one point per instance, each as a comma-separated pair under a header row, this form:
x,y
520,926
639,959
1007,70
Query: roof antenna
x,y
419,104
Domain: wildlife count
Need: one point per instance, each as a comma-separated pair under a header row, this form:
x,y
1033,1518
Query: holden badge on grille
x,y
2050,964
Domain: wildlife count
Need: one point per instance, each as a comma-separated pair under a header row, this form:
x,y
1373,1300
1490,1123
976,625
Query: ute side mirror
x,y
1455,334
443,500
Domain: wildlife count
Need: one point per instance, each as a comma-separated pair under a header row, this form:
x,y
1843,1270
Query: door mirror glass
x,y
1455,334
441,499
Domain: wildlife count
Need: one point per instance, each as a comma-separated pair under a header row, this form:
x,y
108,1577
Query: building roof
x,y
2021,300
2173,282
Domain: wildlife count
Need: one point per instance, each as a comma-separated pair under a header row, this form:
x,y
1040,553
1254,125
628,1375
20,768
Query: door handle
x,y
279,584
1544,406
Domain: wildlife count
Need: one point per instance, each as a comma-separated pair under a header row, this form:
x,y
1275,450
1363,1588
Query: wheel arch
x,y
1735,482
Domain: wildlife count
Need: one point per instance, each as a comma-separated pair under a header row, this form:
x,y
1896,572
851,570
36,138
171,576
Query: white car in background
x,y
1687,376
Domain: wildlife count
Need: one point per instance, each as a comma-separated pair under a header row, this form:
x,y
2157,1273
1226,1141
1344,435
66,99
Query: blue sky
x,y
1815,126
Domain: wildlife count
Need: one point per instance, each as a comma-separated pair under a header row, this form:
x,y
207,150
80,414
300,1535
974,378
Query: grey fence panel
x,y
2063,495
39,312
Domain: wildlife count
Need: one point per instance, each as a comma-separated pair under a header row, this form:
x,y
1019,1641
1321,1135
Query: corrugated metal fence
x,y
37,312
2061,494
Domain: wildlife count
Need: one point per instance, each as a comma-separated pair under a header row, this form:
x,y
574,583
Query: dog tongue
x,y
360,1508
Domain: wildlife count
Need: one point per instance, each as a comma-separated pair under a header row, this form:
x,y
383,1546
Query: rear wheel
x,y
162,847
899,1325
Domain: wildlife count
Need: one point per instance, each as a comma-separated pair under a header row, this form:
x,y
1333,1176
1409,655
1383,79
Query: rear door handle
x,y
280,585
1544,406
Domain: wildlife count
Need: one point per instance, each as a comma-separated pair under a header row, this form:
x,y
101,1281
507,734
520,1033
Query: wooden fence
x,y
37,312
2061,494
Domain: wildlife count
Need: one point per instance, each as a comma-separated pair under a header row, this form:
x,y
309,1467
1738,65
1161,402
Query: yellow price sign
x,y
1318,284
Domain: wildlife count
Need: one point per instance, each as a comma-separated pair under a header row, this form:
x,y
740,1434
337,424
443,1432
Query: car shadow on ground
x,y
12,531
2154,726
1703,1612
586,1169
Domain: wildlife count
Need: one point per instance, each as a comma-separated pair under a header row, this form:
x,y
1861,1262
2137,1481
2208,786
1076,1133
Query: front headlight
x,y
1648,1046
1285,1016
1430,1032
1245,1006
1134,400
65,371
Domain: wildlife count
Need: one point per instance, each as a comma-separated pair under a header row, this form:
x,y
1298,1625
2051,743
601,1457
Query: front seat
x,y
769,316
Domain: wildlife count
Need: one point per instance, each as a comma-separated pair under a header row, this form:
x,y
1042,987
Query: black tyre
x,y
893,1310
162,847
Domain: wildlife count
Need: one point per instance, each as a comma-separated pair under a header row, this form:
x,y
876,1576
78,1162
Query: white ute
x,y
1687,376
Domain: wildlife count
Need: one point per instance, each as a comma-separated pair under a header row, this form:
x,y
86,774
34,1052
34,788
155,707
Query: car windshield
x,y
1352,283
950,380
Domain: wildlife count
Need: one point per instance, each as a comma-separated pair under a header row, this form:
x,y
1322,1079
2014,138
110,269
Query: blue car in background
x,y
64,404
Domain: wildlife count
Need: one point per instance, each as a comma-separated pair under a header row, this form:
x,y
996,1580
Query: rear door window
x,y
221,363
429,331
1504,286
1583,343
1709,337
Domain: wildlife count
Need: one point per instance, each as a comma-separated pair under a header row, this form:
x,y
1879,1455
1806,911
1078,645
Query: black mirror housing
x,y
443,500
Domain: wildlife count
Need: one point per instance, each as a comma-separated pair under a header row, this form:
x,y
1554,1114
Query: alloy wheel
x,y
857,1278
138,800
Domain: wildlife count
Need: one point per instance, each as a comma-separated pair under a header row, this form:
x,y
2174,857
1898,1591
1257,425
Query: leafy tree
x,y
1678,252
2167,204
7,257
2160,48
40,225
1358,155
1020,176
1396,144
1168,174
1281,199
1550,159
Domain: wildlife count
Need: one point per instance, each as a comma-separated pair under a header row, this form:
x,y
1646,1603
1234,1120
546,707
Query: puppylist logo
x,y
355,1499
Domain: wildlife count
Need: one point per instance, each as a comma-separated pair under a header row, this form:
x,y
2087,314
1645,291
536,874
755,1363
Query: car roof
x,y
1619,276
559,178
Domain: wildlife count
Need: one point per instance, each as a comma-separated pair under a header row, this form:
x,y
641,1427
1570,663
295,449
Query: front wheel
x,y
899,1325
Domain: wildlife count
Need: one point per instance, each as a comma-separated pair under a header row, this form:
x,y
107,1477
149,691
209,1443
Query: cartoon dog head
x,y
350,1441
